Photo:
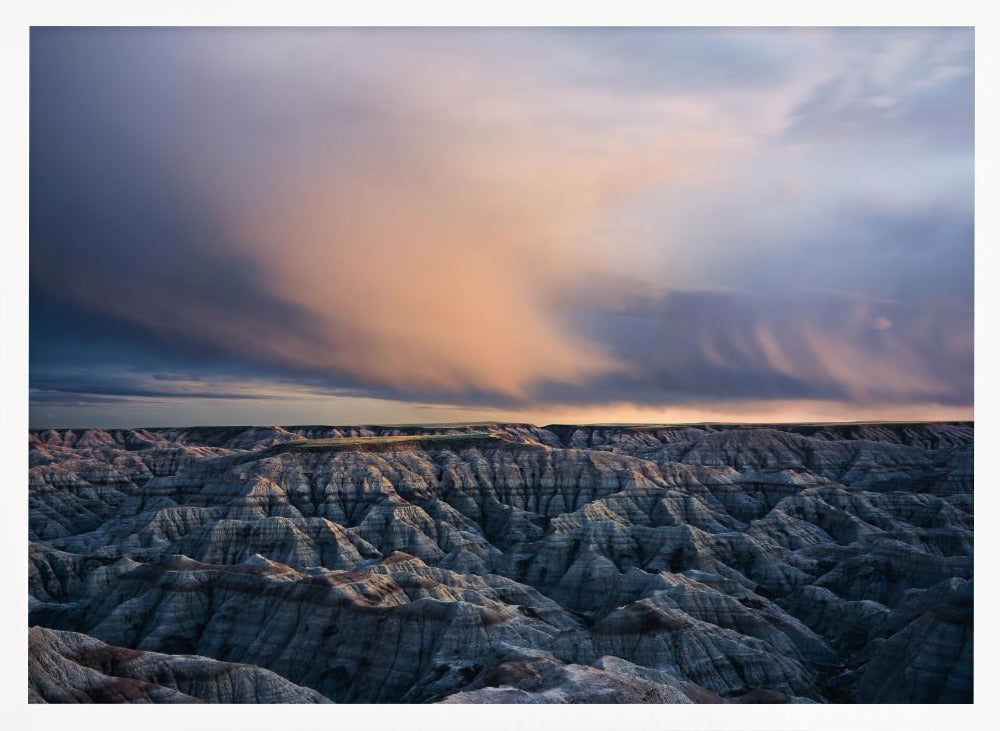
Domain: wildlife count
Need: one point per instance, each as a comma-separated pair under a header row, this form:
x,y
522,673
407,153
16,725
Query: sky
x,y
345,226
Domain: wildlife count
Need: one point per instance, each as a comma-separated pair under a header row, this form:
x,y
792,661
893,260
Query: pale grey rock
x,y
512,563
576,684
67,667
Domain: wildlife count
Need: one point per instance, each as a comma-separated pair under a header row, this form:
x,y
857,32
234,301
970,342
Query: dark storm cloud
x,y
126,257
502,218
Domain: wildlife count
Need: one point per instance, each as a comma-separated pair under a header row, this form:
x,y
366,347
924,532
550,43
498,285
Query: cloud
x,y
503,219
896,84
697,346
409,236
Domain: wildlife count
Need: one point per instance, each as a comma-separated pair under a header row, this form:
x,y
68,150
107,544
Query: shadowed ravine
x,y
503,563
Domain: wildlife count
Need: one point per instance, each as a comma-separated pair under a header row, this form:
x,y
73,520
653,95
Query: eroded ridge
x,y
503,563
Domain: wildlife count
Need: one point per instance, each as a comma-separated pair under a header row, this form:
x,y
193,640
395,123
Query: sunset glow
x,y
419,225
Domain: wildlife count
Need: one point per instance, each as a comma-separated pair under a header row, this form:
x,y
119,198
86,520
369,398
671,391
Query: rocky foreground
x,y
502,563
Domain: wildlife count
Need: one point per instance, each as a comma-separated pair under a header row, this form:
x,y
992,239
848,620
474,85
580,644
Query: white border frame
x,y
18,15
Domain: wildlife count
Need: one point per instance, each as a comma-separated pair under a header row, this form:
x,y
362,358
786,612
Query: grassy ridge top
x,y
376,442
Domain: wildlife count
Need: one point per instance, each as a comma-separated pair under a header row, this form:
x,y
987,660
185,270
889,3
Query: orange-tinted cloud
x,y
434,238
555,222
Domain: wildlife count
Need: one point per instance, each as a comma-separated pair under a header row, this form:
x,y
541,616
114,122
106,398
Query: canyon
x,y
502,563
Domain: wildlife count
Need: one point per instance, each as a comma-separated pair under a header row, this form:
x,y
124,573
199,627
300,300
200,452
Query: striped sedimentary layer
x,y
503,563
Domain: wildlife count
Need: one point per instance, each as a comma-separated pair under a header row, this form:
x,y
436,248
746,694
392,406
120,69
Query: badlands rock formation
x,y
502,563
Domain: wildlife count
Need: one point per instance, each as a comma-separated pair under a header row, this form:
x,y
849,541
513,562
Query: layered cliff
x,y
503,563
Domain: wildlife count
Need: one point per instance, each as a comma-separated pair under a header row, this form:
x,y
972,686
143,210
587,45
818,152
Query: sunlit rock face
x,y
502,563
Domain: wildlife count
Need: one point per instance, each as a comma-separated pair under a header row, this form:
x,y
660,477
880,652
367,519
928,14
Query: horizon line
x,y
455,424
